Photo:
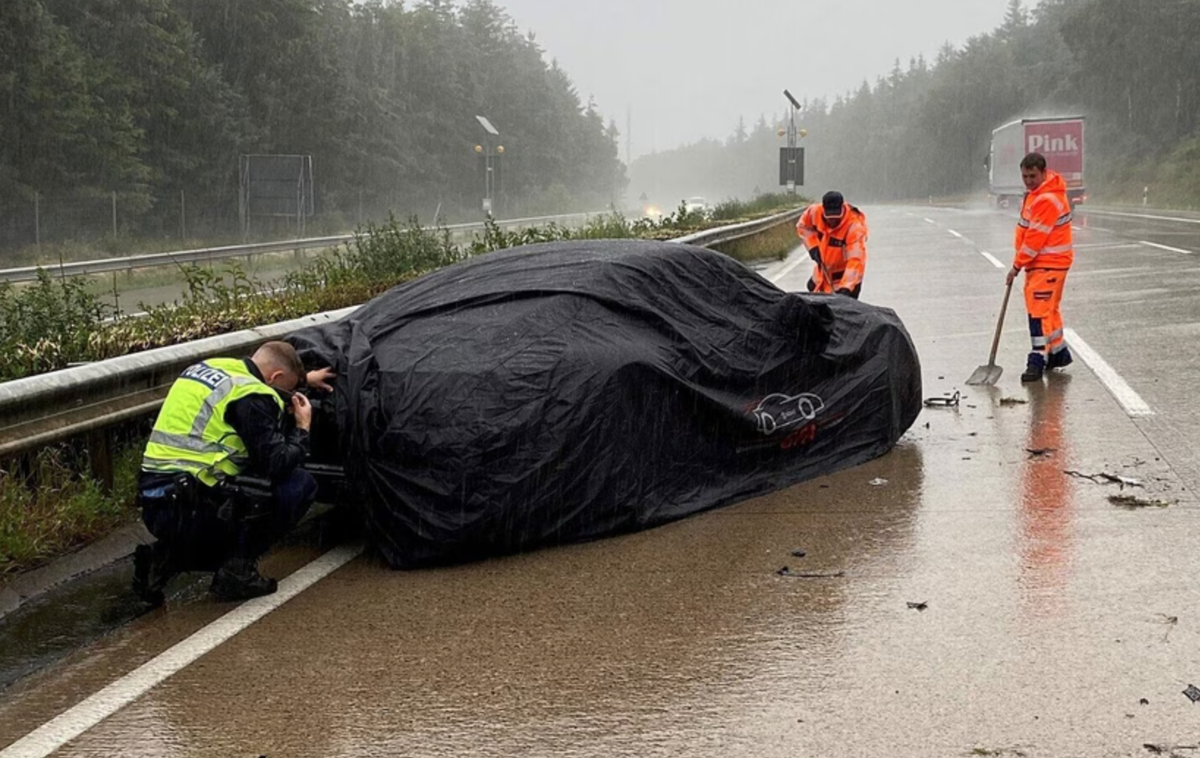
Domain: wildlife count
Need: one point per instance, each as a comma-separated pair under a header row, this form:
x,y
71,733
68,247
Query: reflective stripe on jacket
x,y
191,433
1043,238
843,247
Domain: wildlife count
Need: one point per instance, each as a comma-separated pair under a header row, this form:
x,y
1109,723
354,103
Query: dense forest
x,y
1131,67
131,115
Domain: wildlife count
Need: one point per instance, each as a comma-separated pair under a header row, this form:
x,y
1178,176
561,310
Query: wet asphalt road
x,y
1055,622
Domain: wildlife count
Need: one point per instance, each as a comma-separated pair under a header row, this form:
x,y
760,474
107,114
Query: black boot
x,y
238,579
1061,359
152,569
1035,368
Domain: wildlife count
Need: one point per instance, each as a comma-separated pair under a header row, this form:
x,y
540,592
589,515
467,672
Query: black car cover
x,y
572,390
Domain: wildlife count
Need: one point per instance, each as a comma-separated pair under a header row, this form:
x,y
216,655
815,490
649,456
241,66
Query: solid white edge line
x,y
1131,401
1168,248
992,258
73,722
1105,245
774,279
1143,215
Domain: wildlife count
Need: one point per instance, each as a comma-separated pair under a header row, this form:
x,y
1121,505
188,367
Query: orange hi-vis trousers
x,y
1043,295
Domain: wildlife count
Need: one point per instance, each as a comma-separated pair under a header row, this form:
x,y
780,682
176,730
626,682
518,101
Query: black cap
x,y
833,204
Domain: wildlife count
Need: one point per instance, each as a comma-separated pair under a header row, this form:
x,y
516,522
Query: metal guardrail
x,y
84,400
724,234
40,410
207,254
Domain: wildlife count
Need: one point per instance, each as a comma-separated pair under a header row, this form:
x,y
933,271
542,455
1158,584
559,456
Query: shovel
x,y
990,374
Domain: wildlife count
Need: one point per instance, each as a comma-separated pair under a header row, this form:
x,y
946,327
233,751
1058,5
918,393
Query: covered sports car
x,y
568,391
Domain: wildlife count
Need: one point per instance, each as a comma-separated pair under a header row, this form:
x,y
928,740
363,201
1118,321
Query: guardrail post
x,y
100,457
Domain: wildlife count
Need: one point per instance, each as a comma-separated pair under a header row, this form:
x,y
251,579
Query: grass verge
x,y
49,510
774,244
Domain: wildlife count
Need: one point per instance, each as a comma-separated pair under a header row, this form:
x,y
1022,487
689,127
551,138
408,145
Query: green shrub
x,y
54,322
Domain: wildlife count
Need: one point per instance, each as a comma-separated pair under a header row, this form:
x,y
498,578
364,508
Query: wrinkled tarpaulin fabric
x,y
567,391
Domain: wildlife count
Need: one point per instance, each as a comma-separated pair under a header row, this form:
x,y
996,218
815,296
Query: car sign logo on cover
x,y
778,411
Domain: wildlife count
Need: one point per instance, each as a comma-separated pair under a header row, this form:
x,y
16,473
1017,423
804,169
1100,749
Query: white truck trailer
x,y
1059,139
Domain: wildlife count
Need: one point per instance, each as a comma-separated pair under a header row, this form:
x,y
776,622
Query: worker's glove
x,y
815,254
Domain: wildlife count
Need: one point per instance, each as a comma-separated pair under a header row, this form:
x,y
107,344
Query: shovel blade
x,y
987,374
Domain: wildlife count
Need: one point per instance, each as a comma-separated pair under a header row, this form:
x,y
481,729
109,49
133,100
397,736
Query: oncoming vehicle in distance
x,y
697,205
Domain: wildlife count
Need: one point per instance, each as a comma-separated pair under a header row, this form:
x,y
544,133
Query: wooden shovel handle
x,y
1000,325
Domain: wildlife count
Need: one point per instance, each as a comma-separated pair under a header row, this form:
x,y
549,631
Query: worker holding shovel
x,y
1044,251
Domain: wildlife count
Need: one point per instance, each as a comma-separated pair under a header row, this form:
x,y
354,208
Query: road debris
x,y
785,571
1132,502
918,606
1167,749
1103,478
798,553
878,481
1192,693
1040,452
950,401
1001,751
1171,622
1010,401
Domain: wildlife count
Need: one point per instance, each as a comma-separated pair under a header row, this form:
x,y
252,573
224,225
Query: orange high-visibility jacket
x,y
843,247
1043,238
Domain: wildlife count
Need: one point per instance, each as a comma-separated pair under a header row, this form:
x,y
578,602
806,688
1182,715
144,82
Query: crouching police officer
x,y
221,477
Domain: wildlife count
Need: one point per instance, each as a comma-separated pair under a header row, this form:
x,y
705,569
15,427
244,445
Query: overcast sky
x,y
686,69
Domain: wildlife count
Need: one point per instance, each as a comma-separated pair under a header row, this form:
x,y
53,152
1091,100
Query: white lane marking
x,y
1144,215
992,258
774,280
931,221
1131,401
1105,245
70,724
956,234
1168,248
